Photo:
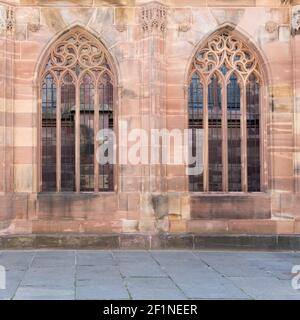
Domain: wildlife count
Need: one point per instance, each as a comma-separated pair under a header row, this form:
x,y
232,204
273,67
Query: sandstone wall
x,y
152,70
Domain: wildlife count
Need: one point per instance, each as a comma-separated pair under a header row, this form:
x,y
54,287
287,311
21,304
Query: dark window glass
x,y
234,134
106,181
195,102
214,135
253,134
68,134
49,134
87,134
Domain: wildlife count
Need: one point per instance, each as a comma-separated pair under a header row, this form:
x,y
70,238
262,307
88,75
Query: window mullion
x,y
205,147
262,141
58,139
224,138
96,129
244,174
77,137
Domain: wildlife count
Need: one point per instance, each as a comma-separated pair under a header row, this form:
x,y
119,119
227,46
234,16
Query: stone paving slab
x,y
94,258
210,287
104,291
54,259
95,273
266,288
13,280
138,264
49,277
158,274
153,288
42,293
233,265
16,260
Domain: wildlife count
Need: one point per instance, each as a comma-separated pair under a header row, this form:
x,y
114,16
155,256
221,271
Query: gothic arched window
x,y
224,102
77,84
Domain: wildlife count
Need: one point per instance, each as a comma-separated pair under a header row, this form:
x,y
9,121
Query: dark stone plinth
x,y
150,241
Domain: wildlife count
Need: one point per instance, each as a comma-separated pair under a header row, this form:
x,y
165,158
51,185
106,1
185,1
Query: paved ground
x,y
176,274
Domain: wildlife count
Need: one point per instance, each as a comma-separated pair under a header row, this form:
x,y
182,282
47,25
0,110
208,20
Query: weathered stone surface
x,y
239,241
146,241
151,57
227,15
52,18
290,243
182,241
233,207
160,205
134,241
18,242
124,16
130,225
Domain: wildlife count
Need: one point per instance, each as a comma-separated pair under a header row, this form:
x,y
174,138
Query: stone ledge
x,y
149,241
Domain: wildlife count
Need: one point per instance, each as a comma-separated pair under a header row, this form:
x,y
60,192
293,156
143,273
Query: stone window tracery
x,y
77,84
225,76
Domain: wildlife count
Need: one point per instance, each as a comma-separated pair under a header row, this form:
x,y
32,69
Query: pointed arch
x,y
242,35
91,34
77,59
226,62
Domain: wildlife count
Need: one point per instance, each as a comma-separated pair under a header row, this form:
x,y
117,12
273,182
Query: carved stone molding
x,y
33,27
271,26
184,27
7,18
182,18
296,20
10,19
285,2
32,19
2,18
153,17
